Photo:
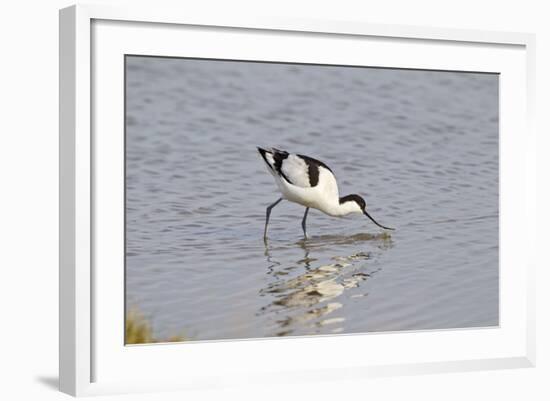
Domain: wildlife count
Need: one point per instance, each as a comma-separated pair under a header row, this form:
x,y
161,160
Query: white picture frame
x,y
92,38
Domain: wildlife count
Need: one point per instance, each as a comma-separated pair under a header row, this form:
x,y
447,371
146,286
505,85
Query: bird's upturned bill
x,y
375,222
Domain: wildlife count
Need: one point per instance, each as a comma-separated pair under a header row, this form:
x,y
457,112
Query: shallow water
x,y
420,146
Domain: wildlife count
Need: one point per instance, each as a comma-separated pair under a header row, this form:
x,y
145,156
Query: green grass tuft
x,y
139,330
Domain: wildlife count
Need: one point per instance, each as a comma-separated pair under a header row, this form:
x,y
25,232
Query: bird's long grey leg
x,y
304,222
267,213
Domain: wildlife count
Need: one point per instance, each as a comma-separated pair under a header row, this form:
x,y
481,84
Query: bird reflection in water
x,y
305,302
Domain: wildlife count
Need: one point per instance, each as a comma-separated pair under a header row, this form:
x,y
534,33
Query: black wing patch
x,y
313,169
263,152
278,157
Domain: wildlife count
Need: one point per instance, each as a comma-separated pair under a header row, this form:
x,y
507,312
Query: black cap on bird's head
x,y
354,198
363,206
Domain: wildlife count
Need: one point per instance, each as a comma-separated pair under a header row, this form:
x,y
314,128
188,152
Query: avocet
x,y
310,183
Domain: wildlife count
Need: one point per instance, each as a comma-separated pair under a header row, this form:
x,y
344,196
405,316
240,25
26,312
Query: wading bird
x,y
310,183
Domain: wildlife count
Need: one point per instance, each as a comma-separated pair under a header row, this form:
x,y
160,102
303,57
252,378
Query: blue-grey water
x,y
420,146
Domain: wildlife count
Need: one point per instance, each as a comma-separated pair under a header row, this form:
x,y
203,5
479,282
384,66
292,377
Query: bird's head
x,y
353,203
356,204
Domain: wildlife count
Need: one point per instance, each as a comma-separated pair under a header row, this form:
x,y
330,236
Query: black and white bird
x,y
310,183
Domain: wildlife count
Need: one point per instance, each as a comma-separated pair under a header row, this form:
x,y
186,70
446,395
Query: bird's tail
x,y
273,157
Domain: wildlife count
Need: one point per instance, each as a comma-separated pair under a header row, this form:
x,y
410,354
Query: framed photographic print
x,y
249,199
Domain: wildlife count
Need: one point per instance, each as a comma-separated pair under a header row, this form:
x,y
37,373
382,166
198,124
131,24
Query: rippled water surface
x,y
420,146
